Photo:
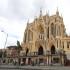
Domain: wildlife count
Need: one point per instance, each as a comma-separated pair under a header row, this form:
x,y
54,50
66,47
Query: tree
x,y
19,48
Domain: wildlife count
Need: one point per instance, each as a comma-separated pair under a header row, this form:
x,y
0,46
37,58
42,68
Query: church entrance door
x,y
40,50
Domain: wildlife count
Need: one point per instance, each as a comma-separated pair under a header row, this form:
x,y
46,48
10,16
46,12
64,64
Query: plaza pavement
x,y
11,67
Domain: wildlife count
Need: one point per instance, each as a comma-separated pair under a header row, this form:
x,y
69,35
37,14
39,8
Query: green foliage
x,y
18,43
19,46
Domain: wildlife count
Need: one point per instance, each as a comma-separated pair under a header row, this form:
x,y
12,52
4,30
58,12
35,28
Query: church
x,y
45,40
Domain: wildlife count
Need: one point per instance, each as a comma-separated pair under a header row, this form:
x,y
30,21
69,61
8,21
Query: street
x,y
11,67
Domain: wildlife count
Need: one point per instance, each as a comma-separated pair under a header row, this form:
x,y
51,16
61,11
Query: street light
x,y
6,38
3,56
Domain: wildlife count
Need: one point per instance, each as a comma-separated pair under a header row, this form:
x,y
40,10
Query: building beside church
x,y
45,40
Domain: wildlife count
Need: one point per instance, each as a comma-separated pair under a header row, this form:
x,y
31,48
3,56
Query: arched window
x,y
55,30
30,35
62,29
68,45
57,43
59,32
40,29
52,29
48,32
25,37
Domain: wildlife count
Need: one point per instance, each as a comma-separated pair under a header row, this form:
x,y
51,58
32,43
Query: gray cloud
x,y
20,9
3,8
17,13
14,11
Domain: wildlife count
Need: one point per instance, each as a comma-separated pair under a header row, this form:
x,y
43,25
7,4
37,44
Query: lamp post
x,y
3,56
6,39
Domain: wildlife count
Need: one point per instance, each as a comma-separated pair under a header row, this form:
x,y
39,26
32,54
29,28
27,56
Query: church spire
x,y
40,12
57,12
28,22
47,13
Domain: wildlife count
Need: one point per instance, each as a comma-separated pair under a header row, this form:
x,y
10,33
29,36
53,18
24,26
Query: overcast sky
x,y
15,13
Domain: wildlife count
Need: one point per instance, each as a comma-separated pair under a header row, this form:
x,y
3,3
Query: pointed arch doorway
x,y
40,50
52,49
27,50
